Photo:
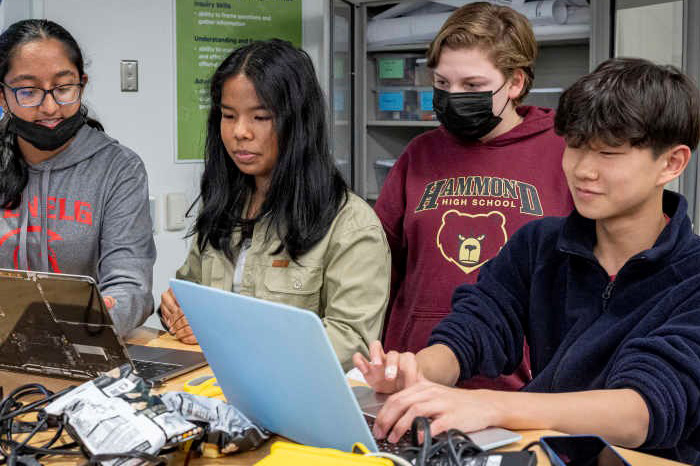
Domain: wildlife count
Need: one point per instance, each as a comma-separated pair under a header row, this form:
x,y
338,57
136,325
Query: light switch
x,y
175,208
130,75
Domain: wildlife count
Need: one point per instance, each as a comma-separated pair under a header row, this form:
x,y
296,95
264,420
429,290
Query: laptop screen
x,y
55,325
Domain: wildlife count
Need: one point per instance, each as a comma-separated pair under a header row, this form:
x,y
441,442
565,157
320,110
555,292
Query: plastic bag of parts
x,y
116,413
226,427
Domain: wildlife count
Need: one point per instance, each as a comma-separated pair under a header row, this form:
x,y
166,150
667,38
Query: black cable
x,y
12,407
464,443
532,444
31,407
421,424
452,448
537,443
39,424
63,451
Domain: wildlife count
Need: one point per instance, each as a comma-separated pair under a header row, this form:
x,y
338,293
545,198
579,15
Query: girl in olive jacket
x,y
277,220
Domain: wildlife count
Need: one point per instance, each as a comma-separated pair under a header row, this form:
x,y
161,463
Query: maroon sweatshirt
x,y
448,206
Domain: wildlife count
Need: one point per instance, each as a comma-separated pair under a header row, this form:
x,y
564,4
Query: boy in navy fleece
x,y
608,297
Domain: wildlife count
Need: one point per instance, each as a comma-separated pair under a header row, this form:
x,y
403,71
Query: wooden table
x,y
151,337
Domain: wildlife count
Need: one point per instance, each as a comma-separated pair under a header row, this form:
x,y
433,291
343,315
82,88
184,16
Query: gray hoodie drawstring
x,y
44,241
23,226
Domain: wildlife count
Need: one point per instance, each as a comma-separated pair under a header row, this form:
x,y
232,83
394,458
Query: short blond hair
x,y
501,32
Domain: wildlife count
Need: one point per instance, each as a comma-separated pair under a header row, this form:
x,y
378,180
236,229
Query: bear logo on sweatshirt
x,y
470,249
469,241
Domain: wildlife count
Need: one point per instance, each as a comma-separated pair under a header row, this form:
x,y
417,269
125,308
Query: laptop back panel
x,y
55,325
276,364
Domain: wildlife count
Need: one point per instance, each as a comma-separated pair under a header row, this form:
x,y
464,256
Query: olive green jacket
x,y
344,278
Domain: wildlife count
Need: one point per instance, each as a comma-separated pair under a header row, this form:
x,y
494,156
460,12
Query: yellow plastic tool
x,y
205,385
291,454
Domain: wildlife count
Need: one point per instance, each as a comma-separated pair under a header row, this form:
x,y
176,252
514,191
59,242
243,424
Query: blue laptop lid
x,y
276,364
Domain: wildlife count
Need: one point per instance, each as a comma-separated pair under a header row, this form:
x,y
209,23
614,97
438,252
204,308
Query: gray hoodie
x,y
85,211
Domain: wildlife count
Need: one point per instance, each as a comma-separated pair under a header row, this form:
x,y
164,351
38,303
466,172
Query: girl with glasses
x,y
72,199
276,219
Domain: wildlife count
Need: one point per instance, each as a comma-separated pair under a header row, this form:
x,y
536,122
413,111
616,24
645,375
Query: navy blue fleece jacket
x,y
641,331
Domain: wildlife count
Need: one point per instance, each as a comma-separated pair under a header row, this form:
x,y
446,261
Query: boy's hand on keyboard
x,y
447,407
388,372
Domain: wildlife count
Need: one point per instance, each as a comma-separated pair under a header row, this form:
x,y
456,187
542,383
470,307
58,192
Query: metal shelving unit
x,y
562,59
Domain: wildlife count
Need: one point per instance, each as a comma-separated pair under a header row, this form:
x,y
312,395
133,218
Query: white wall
x,y
654,32
109,31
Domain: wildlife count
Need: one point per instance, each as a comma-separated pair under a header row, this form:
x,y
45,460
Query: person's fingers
x,y
408,369
402,424
374,369
182,328
185,335
397,404
171,296
387,417
426,408
189,340
419,391
172,315
376,352
165,309
391,365
178,323
439,424
360,362
168,304
109,302
167,297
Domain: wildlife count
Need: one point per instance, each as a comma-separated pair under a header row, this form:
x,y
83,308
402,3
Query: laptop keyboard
x,y
152,369
388,447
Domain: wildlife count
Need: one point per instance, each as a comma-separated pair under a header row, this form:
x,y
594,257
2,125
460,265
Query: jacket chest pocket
x,y
213,271
296,286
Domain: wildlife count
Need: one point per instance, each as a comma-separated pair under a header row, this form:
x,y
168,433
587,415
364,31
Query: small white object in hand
x,y
356,375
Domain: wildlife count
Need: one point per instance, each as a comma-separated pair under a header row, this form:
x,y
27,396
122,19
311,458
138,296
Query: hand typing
x,y
413,395
388,372
447,407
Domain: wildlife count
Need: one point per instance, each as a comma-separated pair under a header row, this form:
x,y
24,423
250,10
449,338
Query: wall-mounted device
x,y
175,208
130,75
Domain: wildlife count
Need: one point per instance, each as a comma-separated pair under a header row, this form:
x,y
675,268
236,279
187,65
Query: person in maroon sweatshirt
x,y
457,193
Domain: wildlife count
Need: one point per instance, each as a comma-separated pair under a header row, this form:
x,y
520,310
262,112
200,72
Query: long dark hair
x,y
13,168
306,189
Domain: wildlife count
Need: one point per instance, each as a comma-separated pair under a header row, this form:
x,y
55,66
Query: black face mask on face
x,y
44,138
467,115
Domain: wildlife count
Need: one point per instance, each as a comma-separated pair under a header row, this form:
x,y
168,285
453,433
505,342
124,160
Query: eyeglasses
x,y
34,96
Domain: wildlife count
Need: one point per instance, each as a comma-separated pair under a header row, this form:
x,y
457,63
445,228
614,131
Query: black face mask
x,y
44,138
467,115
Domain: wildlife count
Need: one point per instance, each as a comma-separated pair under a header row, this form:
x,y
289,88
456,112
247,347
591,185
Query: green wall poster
x,y
205,33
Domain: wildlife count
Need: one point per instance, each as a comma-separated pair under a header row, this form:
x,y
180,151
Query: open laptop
x,y
276,364
57,325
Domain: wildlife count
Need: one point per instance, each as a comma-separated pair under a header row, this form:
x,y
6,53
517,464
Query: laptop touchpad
x,y
370,401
